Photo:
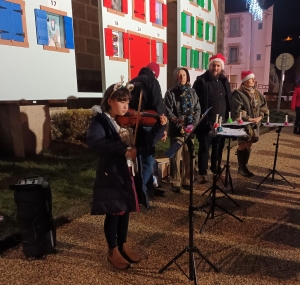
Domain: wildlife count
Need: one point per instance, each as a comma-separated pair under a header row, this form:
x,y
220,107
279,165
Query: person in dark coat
x,y
115,192
147,83
183,112
213,90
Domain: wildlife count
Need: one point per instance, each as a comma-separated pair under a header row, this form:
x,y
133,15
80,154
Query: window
x,y
260,26
116,44
194,58
158,13
138,10
159,51
187,24
13,23
233,54
199,28
198,61
210,32
235,30
115,6
205,4
258,57
54,29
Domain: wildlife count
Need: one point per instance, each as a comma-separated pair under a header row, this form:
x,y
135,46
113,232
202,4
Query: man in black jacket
x,y
147,82
213,90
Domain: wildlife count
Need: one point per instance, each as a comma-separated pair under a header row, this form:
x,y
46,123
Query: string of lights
x,y
255,9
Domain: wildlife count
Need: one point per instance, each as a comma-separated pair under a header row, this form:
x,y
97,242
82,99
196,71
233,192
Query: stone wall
x,y
87,45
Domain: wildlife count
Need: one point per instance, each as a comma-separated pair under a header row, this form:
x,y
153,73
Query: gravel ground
x,y
263,249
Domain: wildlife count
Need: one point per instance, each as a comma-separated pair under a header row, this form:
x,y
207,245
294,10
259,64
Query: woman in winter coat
x,y
253,106
117,189
183,112
295,105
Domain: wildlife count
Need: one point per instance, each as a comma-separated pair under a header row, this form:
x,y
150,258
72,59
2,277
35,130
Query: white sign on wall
x,y
53,4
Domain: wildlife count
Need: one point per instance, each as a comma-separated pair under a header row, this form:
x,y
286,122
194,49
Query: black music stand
x,y
211,199
273,170
228,179
191,249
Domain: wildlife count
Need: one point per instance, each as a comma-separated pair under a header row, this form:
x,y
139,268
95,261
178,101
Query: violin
x,y
146,118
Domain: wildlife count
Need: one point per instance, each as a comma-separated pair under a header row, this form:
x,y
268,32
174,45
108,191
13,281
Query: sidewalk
x,y
263,250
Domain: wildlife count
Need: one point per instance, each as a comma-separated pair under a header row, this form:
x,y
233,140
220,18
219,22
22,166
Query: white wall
x,y
33,73
184,5
252,42
111,70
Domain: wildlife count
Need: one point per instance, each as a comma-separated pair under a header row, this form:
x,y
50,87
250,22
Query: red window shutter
x,y
164,15
125,45
165,54
136,8
107,3
152,11
142,9
125,6
153,50
108,42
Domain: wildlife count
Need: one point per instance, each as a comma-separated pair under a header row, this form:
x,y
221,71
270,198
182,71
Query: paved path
x,y
264,249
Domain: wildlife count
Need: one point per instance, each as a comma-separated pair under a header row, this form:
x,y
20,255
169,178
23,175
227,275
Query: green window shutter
x,y
209,5
192,25
202,3
200,29
207,55
183,56
199,2
207,31
183,22
196,59
203,60
192,57
214,34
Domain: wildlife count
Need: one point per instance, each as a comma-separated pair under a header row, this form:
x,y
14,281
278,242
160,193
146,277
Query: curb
x,y
14,239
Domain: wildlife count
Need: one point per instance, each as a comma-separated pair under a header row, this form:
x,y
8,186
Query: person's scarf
x,y
252,95
186,103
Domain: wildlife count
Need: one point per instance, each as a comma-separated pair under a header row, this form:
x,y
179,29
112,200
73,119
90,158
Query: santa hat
x,y
218,58
247,75
155,68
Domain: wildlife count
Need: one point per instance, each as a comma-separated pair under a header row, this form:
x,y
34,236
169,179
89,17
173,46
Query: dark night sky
x,y
286,22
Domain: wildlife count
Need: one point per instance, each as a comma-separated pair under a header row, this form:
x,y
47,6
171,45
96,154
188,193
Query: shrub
x,y
70,125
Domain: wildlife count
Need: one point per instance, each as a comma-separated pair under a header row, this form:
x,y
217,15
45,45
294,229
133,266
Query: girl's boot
x,y
129,255
116,259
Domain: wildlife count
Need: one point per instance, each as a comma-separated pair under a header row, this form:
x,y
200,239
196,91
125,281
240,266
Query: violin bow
x,y
138,118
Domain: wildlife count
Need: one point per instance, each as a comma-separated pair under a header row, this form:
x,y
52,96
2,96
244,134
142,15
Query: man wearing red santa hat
x,y
253,106
213,90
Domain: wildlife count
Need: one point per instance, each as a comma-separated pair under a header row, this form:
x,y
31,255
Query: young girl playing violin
x,y
117,189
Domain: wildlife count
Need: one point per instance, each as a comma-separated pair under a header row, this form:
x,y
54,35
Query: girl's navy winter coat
x,y
113,192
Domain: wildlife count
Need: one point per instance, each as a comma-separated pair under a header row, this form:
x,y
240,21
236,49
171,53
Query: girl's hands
x,y
131,153
163,120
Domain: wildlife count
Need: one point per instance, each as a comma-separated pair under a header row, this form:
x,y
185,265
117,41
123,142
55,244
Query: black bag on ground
x,y
34,211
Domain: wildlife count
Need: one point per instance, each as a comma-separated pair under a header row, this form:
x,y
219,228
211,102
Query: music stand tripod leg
x,y
191,248
283,178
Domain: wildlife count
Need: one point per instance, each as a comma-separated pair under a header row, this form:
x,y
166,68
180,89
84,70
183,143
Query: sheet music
x,y
272,125
235,123
232,132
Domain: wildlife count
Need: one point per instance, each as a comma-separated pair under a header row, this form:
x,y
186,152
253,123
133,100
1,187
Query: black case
x,y
34,211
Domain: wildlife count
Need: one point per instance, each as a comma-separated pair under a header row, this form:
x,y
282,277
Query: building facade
x,y
247,45
132,34
192,35
37,66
